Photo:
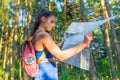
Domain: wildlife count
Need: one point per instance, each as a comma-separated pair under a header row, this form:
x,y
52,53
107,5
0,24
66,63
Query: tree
x,y
107,41
113,34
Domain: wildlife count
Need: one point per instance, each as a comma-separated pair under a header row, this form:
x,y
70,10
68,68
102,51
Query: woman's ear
x,y
43,19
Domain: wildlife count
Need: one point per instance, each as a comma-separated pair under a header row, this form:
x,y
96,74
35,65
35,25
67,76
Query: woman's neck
x,y
42,29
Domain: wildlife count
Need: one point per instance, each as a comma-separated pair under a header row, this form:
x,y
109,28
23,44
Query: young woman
x,y
47,49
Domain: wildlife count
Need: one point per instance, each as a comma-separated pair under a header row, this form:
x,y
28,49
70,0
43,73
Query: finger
x,y
90,38
90,33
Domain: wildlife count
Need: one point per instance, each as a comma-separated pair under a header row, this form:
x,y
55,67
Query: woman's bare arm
x,y
53,48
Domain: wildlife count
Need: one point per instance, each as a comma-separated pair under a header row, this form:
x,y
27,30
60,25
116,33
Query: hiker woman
x,y
47,49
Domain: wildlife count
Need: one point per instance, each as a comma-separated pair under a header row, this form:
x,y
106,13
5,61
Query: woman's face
x,y
49,23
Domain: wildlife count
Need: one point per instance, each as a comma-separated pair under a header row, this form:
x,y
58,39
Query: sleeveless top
x,y
47,68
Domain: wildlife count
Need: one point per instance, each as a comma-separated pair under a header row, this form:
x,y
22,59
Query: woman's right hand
x,y
88,38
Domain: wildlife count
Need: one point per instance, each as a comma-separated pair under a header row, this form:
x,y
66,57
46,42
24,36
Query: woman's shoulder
x,y
43,35
39,39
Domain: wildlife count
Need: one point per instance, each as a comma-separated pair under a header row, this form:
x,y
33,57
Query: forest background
x,y
16,21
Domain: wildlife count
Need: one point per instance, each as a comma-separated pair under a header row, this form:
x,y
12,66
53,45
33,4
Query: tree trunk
x,y
107,41
65,12
83,16
113,35
13,57
1,40
92,68
6,64
11,52
108,49
42,4
49,5
83,19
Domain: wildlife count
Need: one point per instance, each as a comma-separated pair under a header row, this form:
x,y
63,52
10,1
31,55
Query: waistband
x,y
39,61
44,59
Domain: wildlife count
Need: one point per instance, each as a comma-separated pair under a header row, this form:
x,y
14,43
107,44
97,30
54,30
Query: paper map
x,y
75,35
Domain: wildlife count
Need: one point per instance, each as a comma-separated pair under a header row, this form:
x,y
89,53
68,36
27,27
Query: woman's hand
x,y
88,38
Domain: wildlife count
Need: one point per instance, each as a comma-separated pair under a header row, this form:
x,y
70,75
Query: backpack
x,y
28,59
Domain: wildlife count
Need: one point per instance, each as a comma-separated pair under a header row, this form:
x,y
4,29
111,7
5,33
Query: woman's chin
x,y
48,31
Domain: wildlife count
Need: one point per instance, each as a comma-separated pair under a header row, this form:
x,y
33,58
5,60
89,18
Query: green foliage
x,y
4,15
67,72
92,12
1,70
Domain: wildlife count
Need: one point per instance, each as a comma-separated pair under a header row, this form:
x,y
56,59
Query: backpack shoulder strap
x,y
22,48
31,37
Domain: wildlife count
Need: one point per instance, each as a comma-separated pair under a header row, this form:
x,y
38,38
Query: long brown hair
x,y
38,19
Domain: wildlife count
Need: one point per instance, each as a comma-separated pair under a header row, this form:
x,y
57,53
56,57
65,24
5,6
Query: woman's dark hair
x,y
38,19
